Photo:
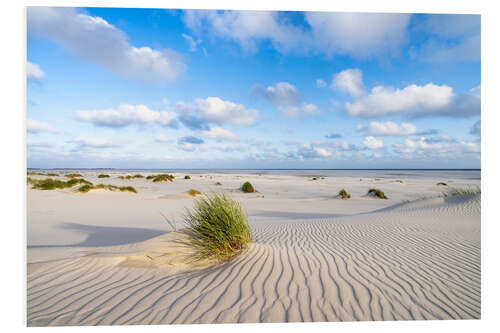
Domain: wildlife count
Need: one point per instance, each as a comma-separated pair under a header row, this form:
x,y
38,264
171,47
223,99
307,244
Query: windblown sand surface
x,y
109,258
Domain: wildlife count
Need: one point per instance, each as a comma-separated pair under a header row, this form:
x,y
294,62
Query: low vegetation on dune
x,y
165,177
88,187
128,177
73,175
52,184
193,192
50,174
343,194
187,177
218,184
377,193
217,228
247,187
314,178
103,176
462,191
441,184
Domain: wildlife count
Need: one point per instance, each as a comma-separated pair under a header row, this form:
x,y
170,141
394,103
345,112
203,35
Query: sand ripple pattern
x,y
403,263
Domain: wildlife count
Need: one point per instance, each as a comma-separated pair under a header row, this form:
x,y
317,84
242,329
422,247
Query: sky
x,y
204,89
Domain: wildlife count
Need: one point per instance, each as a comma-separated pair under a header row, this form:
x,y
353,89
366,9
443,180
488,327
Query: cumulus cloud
x,y
33,71
219,134
416,101
214,110
390,128
423,148
310,152
373,143
320,83
359,35
349,81
286,98
35,126
96,40
191,42
126,115
247,28
452,38
85,142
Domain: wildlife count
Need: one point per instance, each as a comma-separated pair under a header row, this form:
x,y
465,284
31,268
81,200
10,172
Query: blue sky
x,y
157,88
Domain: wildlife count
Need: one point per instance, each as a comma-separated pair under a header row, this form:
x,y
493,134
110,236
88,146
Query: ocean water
x,y
463,174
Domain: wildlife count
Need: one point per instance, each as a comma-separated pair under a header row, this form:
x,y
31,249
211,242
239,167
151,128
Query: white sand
x,y
108,257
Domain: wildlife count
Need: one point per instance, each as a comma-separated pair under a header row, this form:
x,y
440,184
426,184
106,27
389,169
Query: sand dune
x,y
414,260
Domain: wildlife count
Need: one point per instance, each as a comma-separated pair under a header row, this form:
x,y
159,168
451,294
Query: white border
x,y
13,232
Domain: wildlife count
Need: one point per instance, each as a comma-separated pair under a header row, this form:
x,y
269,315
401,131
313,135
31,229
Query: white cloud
x,y
350,81
85,142
359,35
320,83
286,98
311,152
33,71
372,143
218,111
95,40
34,126
126,115
246,28
422,147
219,134
191,42
430,99
390,128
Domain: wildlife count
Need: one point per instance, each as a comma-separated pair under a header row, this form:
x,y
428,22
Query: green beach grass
x,y
217,228
344,195
377,193
247,187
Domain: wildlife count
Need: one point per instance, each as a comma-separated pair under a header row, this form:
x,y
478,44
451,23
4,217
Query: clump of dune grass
x,y
193,192
217,228
73,175
377,193
247,187
88,187
441,184
51,174
344,195
218,184
187,177
462,191
103,176
138,175
314,178
165,177
52,184
34,173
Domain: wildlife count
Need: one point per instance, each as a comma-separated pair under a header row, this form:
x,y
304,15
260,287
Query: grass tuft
x,y
218,184
73,175
344,195
52,184
441,184
193,192
217,228
187,177
86,188
377,193
52,174
161,178
462,191
247,188
103,176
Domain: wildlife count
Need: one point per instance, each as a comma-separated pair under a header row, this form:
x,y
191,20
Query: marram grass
x,y
217,228
73,175
52,184
344,195
193,192
462,191
377,193
247,187
88,187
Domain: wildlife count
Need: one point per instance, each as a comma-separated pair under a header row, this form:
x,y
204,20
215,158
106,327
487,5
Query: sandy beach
x,y
110,258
